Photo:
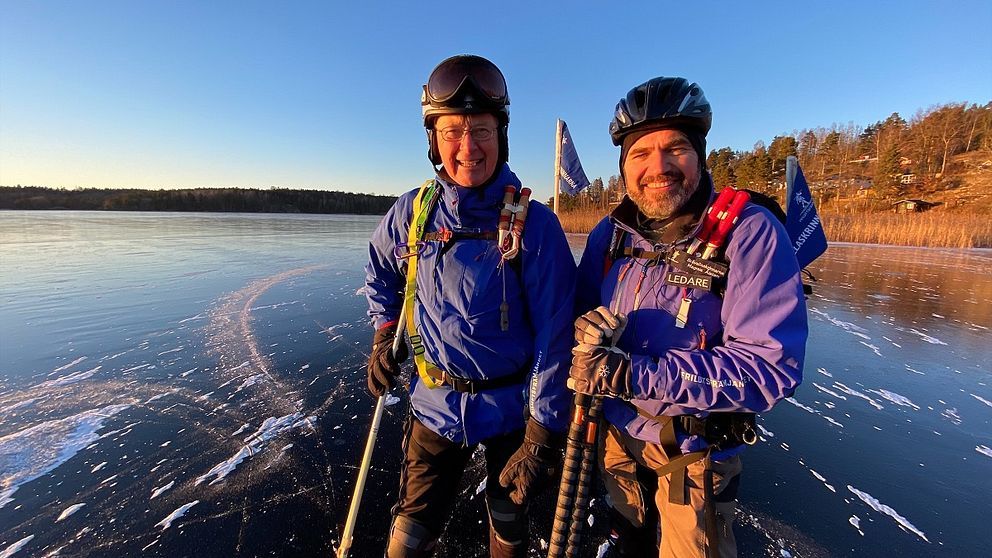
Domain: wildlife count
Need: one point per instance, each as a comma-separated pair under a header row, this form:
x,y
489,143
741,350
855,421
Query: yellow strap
x,y
417,225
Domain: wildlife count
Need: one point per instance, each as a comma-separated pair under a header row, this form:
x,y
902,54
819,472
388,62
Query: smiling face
x,y
468,161
661,171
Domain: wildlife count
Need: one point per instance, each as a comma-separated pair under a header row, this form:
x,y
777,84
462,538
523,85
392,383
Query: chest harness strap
x,y
424,204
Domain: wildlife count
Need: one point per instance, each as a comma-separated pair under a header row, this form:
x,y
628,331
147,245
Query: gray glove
x,y
598,370
599,327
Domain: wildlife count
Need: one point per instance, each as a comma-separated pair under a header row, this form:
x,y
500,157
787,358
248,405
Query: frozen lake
x,y
194,384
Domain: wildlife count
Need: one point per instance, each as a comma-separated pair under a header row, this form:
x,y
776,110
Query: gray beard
x,y
664,207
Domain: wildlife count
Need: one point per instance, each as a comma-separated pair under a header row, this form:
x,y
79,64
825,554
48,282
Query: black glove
x,y
599,327
532,466
598,370
384,367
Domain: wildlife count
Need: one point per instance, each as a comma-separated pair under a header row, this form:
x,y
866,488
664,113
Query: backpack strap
x,y
423,205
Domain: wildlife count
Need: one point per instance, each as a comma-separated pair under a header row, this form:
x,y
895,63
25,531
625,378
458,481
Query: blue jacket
x,y
457,311
754,337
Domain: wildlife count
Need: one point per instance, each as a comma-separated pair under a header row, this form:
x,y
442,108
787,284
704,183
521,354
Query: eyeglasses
x,y
454,73
455,133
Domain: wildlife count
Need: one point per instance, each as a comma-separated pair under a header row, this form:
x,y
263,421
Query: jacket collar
x,y
477,207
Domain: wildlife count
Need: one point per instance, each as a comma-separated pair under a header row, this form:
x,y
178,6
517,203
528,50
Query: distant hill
x,y
197,199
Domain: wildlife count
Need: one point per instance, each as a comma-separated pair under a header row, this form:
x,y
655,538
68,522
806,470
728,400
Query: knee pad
x,y
409,539
508,521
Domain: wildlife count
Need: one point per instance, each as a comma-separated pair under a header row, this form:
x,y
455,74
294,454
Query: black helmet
x,y
465,84
662,102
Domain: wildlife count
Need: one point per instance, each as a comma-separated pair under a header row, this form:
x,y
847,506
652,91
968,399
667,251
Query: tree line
x,y
276,200
892,157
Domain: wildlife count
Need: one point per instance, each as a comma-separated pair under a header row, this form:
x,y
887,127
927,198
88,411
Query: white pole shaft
x,y
557,161
363,474
363,470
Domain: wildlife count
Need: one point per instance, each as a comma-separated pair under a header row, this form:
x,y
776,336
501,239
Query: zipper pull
x,y
504,316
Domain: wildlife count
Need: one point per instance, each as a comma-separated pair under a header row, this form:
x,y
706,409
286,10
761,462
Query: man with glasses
x,y
489,318
684,348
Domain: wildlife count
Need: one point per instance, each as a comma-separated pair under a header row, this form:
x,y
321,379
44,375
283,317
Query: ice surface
x,y
10,550
180,511
69,511
34,451
874,504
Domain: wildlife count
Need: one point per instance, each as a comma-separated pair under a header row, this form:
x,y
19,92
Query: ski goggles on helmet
x,y
451,77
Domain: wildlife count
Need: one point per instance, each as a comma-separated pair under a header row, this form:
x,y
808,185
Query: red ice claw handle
x,y
712,217
733,212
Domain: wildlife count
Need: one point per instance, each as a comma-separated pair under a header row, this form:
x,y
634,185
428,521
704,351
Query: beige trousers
x,y
683,527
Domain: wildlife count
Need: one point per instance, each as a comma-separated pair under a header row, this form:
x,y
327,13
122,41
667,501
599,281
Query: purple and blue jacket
x,y
457,311
740,353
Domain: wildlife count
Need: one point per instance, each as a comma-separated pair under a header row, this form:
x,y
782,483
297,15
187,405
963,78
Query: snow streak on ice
x,y
255,443
33,452
181,511
880,507
10,550
69,511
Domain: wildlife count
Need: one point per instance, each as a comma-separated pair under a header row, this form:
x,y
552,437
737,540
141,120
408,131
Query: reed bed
x,y
933,229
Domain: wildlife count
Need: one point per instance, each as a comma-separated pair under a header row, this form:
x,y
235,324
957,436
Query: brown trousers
x,y
628,466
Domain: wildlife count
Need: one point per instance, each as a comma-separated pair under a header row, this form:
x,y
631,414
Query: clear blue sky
x,y
326,95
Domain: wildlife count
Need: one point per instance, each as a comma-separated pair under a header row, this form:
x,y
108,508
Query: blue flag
x,y
802,222
573,178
